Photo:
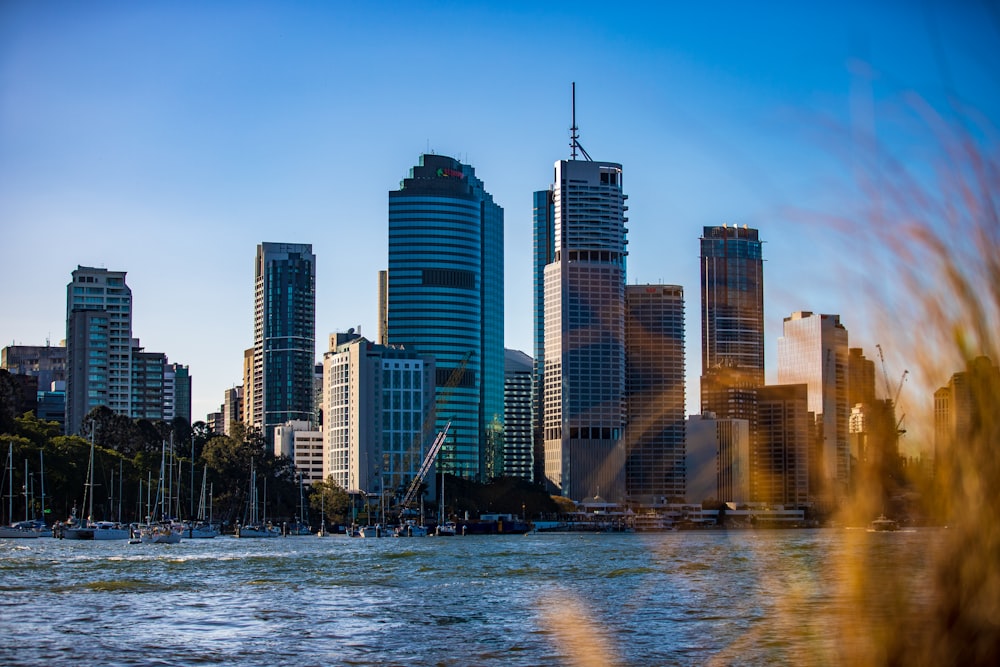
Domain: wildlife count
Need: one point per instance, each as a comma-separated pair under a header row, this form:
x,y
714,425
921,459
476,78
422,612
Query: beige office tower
x,y
813,350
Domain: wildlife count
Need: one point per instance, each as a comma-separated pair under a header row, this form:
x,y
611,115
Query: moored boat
x,y
883,524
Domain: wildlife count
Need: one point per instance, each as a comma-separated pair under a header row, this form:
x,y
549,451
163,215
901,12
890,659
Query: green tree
x,y
329,498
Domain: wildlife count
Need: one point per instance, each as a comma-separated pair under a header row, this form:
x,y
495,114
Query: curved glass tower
x,y
445,298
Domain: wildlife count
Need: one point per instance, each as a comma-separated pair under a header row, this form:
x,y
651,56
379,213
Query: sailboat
x,y
88,529
19,530
444,528
202,527
162,531
322,517
254,527
301,526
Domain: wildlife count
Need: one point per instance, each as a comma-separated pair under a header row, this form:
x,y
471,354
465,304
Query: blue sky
x,y
168,139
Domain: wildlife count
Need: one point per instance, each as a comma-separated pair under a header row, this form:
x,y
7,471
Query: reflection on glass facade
x,y
732,303
654,353
813,350
284,335
583,325
444,298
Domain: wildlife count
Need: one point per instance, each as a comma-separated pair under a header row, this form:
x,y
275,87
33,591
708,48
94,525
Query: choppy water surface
x,y
689,598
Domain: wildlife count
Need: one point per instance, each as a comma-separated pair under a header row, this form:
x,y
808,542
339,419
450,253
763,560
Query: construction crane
x,y
889,393
425,466
440,399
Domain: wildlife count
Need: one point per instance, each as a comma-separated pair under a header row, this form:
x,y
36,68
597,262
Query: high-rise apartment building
x,y
177,392
654,384
378,406
148,381
284,335
232,408
98,344
517,435
444,297
813,350
582,324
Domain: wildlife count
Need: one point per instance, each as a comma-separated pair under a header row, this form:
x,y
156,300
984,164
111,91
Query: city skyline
x,y
172,163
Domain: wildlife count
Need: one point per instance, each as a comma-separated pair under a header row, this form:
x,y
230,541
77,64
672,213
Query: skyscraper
x,y
517,436
583,327
98,344
284,335
654,383
813,350
732,300
444,297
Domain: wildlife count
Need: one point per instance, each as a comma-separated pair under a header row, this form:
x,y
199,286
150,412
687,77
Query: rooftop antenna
x,y
574,143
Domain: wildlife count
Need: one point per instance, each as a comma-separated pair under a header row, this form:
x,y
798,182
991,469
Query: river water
x,y
684,598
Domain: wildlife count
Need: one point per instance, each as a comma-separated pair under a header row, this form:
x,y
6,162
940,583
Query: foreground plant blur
x,y
934,226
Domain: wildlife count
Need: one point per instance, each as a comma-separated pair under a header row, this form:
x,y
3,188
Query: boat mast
x,y
10,482
88,489
41,461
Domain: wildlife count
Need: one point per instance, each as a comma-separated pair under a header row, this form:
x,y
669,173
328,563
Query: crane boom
x,y
425,467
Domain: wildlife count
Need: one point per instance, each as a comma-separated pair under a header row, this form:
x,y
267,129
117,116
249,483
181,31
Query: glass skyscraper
x,y
582,326
654,382
814,350
444,297
732,300
284,335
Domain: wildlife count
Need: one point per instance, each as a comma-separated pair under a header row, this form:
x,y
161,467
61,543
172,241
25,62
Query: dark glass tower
x,y
654,382
732,300
284,335
445,298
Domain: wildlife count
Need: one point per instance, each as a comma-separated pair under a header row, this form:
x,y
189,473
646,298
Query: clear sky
x,y
167,139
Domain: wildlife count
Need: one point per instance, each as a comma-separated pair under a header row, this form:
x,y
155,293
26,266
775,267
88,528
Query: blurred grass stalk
x,y
930,222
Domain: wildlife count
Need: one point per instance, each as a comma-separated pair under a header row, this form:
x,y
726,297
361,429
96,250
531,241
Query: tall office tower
x,y
654,390
284,335
518,443
718,459
232,408
379,403
445,298
732,300
148,372
178,383
813,350
779,474
544,250
98,344
583,324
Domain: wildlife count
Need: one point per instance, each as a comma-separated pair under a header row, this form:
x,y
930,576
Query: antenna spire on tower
x,y
574,137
